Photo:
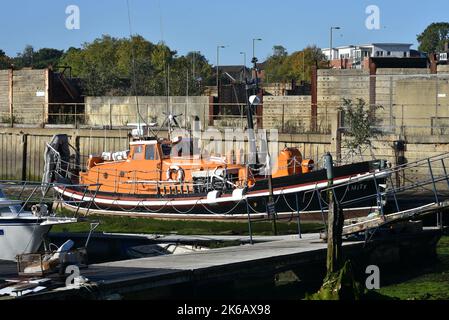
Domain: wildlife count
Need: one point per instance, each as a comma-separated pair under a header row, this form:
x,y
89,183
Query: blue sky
x,y
201,25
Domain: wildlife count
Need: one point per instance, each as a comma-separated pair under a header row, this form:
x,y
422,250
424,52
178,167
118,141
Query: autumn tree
x,y
282,67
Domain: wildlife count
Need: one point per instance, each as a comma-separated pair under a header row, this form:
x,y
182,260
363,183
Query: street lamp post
x,y
331,46
244,64
254,46
218,63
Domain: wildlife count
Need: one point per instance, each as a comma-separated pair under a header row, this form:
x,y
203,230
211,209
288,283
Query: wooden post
x,y
211,111
372,84
335,224
24,156
271,205
11,96
336,135
110,116
47,96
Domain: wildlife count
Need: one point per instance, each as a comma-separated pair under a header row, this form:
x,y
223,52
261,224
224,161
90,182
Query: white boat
x,y
23,232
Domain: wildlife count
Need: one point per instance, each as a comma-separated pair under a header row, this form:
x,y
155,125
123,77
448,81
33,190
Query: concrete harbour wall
x,y
22,150
28,91
120,111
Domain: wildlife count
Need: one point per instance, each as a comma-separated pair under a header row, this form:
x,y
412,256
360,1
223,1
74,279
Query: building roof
x,y
377,44
232,68
236,72
392,62
388,44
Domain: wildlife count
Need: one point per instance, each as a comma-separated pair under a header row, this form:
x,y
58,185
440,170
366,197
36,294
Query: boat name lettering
x,y
359,187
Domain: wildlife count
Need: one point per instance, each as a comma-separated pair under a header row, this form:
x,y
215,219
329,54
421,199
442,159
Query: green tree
x,y
161,59
46,57
189,74
279,51
96,64
40,59
111,66
434,37
360,122
5,61
24,59
134,63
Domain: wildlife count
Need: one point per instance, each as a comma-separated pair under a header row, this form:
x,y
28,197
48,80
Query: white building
x,y
357,53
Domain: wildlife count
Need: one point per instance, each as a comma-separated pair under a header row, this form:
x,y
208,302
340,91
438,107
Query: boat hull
x,y
292,195
20,237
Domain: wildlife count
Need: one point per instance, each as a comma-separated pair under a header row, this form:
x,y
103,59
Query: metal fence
x,y
285,117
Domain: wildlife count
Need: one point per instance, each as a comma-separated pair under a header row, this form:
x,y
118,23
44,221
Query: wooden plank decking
x,y
130,276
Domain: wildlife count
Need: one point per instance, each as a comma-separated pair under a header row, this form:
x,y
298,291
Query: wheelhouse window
x,y
150,153
166,150
138,153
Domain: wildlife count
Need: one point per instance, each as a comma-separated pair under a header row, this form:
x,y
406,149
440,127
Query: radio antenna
x,y
133,63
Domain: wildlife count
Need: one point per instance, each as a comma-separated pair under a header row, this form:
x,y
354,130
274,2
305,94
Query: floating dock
x,y
185,275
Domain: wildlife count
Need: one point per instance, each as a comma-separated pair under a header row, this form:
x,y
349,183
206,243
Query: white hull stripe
x,y
212,216
205,201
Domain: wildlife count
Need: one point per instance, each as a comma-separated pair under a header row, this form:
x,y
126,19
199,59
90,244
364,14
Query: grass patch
x,y
432,285
151,226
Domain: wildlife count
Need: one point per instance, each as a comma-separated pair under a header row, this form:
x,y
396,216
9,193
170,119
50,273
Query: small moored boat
x,y
23,232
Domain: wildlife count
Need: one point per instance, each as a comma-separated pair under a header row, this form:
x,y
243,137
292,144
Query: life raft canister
x,y
178,170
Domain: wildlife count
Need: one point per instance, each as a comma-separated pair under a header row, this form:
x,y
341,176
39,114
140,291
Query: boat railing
x,y
37,196
117,176
429,177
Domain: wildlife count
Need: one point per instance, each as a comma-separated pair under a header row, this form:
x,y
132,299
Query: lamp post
x,y
254,46
244,64
331,47
218,63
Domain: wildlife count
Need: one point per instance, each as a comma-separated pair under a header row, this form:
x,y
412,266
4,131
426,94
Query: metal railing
x,y
402,192
30,193
286,117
